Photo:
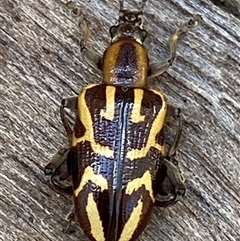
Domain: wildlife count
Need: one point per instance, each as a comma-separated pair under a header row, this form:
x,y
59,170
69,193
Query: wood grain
x,y
40,64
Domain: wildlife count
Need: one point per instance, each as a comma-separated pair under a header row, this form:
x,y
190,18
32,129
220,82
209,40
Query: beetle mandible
x,y
116,159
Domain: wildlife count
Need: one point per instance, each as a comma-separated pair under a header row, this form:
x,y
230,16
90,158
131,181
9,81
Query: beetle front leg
x,y
162,66
91,57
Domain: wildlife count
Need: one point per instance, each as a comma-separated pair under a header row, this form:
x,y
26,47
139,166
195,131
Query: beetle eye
x,y
143,34
113,31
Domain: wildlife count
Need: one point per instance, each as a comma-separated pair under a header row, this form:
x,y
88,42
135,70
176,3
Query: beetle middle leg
x,y
58,167
170,180
162,66
70,104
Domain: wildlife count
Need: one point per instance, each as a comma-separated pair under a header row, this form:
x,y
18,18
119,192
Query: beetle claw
x,y
49,169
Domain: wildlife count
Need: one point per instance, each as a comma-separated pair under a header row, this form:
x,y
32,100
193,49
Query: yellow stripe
x,y
132,223
86,120
110,103
136,183
94,219
155,129
136,111
89,175
91,208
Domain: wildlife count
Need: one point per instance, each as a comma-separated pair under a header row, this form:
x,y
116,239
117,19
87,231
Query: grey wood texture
x,y
40,64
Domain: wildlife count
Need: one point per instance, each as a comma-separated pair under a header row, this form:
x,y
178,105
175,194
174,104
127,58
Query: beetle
x,y
116,161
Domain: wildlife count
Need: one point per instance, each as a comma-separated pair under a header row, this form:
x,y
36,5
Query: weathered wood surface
x,y
40,64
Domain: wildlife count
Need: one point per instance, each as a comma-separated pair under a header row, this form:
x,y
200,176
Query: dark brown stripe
x,y
126,65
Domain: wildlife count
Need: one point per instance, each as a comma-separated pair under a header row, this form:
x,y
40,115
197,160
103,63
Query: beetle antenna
x,y
143,4
121,3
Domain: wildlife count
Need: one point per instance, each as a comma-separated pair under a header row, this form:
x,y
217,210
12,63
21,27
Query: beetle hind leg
x,y
169,176
175,112
172,187
71,218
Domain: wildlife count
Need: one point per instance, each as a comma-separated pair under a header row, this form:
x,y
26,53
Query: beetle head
x,y
129,24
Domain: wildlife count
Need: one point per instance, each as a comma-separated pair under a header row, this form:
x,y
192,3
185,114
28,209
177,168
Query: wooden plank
x,y
40,64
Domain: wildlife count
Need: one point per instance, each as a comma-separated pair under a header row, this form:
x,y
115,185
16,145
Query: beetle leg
x,y
172,187
59,172
176,112
71,104
169,175
71,218
91,57
162,66
58,166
